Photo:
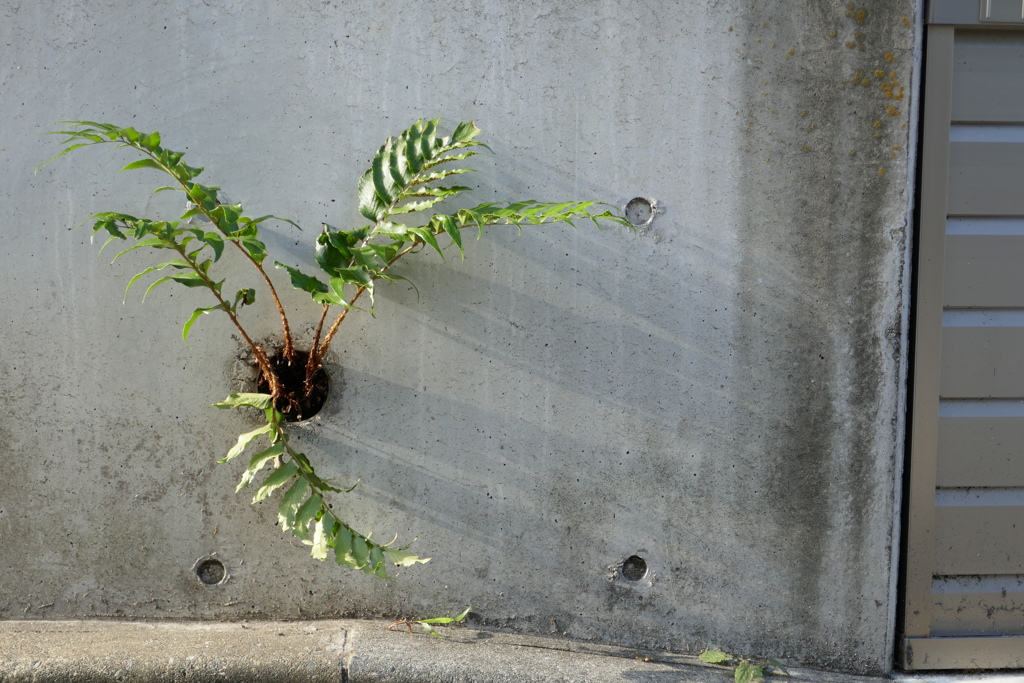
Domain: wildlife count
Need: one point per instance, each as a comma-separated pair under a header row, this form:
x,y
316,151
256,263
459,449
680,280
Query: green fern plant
x,y
401,183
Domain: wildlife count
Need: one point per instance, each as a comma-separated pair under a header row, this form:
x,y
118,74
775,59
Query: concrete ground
x,y
347,651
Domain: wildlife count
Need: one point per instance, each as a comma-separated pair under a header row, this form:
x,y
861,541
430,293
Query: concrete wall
x,y
720,394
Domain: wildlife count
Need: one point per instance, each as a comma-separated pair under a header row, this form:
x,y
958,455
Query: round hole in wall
x,y
210,571
634,568
640,211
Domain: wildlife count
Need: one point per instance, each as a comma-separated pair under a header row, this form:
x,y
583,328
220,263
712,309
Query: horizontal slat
x,y
979,540
920,654
980,452
985,179
982,362
978,614
985,226
981,408
984,271
988,76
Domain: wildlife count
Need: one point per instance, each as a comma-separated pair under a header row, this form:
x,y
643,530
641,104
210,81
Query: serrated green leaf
x,y
306,513
142,163
276,480
404,559
748,673
261,401
427,236
195,316
451,228
192,279
256,464
779,665
154,242
151,141
243,440
343,547
714,657
370,204
154,286
413,150
413,207
177,263
375,563
215,242
360,551
383,183
427,141
446,620
255,248
465,131
321,536
291,502
300,280
398,166
328,256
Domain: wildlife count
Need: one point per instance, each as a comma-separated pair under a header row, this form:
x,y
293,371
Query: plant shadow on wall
x,y
292,385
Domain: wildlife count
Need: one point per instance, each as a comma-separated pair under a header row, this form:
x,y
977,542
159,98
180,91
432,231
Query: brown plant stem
x,y
289,350
258,352
312,364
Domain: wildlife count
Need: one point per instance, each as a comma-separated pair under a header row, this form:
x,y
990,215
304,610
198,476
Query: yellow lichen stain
x,y
892,89
871,41
806,148
897,147
903,125
858,37
803,113
773,44
865,81
860,15
791,52
833,33
892,111
906,22
881,171
853,153
851,45
889,57
877,124
759,40
879,73
812,126
730,28
767,159
849,101
749,124
893,155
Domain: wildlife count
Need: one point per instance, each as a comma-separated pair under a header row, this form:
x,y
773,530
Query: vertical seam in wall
x,y
907,280
346,654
